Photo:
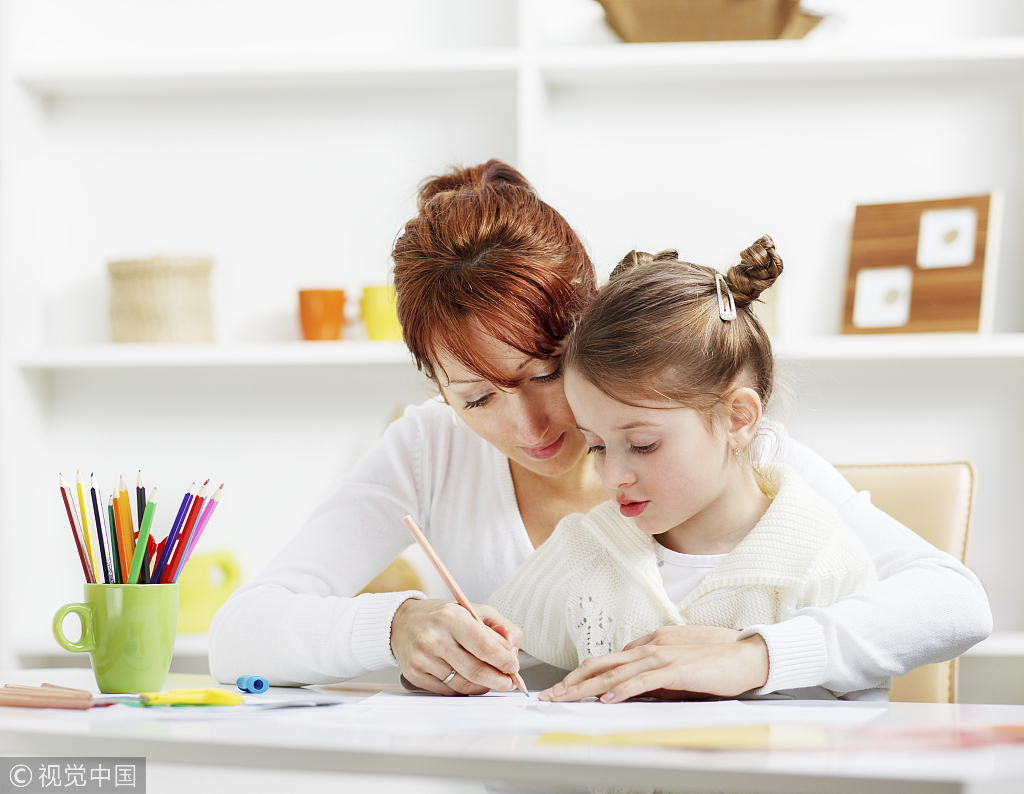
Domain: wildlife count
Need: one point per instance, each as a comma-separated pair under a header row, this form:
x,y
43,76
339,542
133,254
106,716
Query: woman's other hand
x,y
674,661
432,638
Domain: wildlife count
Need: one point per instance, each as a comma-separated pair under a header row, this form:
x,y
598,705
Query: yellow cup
x,y
206,582
380,314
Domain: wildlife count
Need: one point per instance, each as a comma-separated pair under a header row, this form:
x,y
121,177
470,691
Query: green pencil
x,y
113,541
143,542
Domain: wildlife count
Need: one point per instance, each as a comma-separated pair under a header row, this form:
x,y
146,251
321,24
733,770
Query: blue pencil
x,y
172,536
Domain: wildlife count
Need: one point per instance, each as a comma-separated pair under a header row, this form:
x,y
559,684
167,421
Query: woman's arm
x,y
297,622
927,606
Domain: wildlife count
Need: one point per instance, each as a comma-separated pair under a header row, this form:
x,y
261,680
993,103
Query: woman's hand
x,y
431,638
674,661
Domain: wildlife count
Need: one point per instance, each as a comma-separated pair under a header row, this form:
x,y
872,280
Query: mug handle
x,y
87,641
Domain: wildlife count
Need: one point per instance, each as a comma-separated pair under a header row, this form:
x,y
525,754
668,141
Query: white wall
x,y
304,177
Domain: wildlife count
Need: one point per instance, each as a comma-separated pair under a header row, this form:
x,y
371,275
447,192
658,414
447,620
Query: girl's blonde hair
x,y
655,332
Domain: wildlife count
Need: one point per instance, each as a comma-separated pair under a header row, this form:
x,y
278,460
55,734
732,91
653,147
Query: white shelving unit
x,y
286,140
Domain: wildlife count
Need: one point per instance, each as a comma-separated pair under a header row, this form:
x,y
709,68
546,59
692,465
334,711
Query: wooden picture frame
x,y
924,266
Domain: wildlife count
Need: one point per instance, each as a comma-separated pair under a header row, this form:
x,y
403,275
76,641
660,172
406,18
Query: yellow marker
x,y
97,572
192,697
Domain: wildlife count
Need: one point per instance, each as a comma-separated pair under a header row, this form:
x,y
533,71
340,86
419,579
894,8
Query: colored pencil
x,y
204,519
168,542
101,532
142,547
140,500
86,530
65,491
115,553
122,539
184,536
127,526
453,586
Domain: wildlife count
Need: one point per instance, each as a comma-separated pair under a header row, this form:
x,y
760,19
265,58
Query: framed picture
x,y
923,266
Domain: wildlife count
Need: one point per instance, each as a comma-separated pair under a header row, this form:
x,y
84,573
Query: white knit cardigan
x,y
594,586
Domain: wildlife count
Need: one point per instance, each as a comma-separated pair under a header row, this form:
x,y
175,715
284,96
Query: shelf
x,y
190,645
295,354
112,75
999,643
888,347
584,65
902,347
728,60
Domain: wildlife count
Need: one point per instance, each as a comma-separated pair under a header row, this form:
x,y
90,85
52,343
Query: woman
x,y
489,280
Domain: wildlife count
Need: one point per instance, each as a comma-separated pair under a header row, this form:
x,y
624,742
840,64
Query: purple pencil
x,y
204,519
172,536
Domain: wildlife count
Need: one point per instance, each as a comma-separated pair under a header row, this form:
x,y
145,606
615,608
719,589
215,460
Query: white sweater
x,y
296,622
594,586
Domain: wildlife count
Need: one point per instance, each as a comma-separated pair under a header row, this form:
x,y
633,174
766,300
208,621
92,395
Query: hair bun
x,y
493,173
634,258
759,266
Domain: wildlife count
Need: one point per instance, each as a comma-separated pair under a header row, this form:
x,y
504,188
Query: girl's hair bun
x,y
493,173
758,268
634,258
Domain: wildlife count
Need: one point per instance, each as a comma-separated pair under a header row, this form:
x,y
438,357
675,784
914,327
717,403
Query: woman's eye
x,y
555,374
644,449
597,448
477,403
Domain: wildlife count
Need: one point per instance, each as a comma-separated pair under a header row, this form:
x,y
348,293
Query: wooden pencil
x,y
167,544
127,526
142,547
86,531
183,537
453,586
140,500
65,492
204,519
101,531
115,541
122,541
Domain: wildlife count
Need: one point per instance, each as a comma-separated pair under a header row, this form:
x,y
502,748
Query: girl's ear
x,y
743,412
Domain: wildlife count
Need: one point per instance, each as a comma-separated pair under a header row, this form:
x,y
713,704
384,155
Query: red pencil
x,y
184,536
65,489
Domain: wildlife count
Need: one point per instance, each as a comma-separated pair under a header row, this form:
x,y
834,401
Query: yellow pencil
x,y
87,530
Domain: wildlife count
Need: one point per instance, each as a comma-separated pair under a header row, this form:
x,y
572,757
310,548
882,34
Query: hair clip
x,y
726,312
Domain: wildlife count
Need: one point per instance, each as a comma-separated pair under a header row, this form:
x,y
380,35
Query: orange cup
x,y
322,313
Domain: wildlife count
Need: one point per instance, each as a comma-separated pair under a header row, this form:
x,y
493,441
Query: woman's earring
x,y
736,451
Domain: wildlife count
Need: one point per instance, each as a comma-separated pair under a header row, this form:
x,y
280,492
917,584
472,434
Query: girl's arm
x,y
297,622
927,606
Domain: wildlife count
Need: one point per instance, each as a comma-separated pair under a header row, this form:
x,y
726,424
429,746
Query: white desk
x,y
494,753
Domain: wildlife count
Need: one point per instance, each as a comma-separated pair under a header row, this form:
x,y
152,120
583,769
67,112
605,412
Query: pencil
x,y
123,551
127,527
449,580
94,497
140,501
86,532
65,490
115,554
168,542
204,519
142,547
184,536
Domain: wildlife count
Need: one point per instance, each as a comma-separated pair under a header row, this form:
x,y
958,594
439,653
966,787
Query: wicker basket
x,y
707,20
162,299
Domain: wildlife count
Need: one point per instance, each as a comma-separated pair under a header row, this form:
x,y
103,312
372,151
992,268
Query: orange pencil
x,y
126,523
453,585
122,543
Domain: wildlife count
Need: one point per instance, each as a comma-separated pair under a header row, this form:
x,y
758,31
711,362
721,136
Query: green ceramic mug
x,y
128,630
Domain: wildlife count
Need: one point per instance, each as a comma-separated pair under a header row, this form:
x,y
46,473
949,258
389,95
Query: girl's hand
x,y
431,638
724,669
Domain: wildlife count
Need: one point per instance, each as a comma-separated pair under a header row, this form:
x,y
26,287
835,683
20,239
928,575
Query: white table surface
x,y
493,753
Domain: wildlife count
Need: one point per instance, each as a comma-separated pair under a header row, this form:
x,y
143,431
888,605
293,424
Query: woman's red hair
x,y
484,251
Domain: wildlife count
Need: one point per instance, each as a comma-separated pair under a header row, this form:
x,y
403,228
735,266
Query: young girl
x,y
668,373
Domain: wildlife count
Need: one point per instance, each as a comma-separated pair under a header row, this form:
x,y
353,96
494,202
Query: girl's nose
x,y
615,473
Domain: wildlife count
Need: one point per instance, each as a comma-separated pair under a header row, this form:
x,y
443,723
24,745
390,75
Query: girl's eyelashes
x,y
597,448
644,449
